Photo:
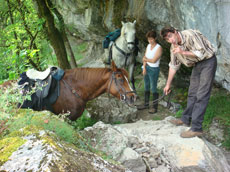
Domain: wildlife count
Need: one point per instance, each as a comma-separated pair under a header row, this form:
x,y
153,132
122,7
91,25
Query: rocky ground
x,y
164,112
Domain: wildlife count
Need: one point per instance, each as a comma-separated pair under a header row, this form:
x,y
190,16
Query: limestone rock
x,y
92,20
43,152
111,110
160,146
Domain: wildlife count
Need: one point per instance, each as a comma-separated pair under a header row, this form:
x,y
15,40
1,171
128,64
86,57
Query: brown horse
x,y
8,83
80,85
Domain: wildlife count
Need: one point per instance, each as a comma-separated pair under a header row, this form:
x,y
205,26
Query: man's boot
x,y
154,107
146,104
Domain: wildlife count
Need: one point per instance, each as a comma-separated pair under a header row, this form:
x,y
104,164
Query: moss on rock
x,y
8,146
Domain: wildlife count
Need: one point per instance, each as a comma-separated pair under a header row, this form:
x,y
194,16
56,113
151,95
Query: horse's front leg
x,y
131,76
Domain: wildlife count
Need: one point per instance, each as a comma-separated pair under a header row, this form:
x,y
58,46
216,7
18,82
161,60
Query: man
x,y
192,49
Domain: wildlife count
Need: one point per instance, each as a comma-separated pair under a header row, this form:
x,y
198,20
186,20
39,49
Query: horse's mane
x,y
93,74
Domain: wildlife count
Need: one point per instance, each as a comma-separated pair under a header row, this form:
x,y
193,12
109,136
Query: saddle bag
x,y
111,36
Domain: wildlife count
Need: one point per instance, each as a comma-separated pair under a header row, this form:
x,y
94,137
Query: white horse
x,y
123,49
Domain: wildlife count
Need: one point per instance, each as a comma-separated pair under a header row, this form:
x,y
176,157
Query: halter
x,y
119,87
131,43
123,52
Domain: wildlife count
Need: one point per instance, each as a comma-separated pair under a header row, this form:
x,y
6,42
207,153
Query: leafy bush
x,y
83,122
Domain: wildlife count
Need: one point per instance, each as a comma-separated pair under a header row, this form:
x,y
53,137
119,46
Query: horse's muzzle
x,y
133,99
129,98
131,46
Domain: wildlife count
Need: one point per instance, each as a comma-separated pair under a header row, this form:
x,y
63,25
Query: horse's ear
x,y
122,23
134,22
113,66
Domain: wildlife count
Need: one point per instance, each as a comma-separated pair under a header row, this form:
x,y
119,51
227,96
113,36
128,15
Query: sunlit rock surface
x,y
156,146
37,150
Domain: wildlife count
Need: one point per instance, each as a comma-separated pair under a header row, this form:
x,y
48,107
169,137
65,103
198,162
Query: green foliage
x,y
179,113
139,81
226,143
83,122
23,40
180,96
8,102
30,118
218,107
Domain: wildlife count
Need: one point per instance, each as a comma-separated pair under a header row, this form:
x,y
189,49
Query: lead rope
x,y
162,98
169,104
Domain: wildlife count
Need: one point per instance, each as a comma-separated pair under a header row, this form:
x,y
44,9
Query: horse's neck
x,y
97,87
122,44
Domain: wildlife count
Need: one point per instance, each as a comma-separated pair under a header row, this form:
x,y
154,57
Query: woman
x,y
151,62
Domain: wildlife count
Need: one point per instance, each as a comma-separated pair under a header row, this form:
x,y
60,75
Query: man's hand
x,y
177,49
167,90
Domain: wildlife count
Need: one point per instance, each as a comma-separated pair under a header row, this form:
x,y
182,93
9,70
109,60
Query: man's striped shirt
x,y
195,42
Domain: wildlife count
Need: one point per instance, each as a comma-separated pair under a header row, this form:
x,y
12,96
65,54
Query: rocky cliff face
x,y
90,20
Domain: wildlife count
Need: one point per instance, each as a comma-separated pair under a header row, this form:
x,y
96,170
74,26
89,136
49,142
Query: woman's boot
x,y
146,104
154,107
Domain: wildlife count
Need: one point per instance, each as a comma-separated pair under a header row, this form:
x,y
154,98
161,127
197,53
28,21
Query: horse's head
x,y
128,31
119,85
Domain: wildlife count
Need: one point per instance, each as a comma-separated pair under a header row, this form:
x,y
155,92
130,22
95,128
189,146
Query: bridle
x,y
120,89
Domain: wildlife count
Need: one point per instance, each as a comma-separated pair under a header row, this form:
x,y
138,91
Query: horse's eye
x,y
121,80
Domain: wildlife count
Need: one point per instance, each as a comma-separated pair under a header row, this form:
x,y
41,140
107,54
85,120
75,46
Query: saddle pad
x,y
34,74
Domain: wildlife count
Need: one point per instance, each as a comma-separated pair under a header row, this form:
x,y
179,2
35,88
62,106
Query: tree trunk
x,y
54,35
73,63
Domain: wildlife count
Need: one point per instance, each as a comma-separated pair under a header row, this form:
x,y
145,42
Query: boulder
x,y
34,149
159,145
109,109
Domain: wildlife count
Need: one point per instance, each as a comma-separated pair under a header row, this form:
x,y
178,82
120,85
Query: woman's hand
x,y
144,71
145,59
